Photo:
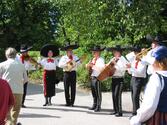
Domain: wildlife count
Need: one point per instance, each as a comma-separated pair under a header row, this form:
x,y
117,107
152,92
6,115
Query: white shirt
x,y
15,73
151,99
120,67
149,60
28,65
140,71
98,67
49,65
64,59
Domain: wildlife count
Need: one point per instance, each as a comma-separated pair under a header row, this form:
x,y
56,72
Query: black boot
x,y
97,109
46,101
50,101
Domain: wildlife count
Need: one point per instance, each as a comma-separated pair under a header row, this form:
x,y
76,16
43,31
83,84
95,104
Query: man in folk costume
x,y
95,66
155,44
65,62
49,63
24,58
153,110
138,80
118,78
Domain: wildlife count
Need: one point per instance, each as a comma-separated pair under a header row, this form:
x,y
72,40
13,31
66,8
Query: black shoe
x,y
113,113
67,104
23,106
19,123
97,109
118,114
45,104
92,108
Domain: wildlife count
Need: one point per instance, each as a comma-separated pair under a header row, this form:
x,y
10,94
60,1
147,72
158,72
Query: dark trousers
x,y
96,92
136,87
70,84
24,91
117,84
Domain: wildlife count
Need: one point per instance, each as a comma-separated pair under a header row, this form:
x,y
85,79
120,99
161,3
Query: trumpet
x,y
143,53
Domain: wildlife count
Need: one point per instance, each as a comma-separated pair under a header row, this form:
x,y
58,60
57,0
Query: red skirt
x,y
159,118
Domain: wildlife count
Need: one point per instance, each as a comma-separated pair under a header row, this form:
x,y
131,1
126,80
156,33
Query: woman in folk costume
x,y
95,66
69,79
153,110
49,63
118,79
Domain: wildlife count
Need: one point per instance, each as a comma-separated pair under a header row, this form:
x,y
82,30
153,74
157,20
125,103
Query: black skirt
x,y
49,83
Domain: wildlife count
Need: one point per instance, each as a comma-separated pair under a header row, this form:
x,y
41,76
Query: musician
x,y
69,76
49,63
118,79
96,65
148,59
24,58
153,109
138,71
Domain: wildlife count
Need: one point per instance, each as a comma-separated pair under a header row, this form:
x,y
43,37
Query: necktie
x,y
136,64
71,57
50,60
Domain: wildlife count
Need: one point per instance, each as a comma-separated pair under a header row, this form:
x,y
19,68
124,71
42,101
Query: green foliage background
x,y
87,22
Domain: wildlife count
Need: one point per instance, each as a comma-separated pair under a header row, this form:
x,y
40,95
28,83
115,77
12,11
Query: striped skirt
x,y
159,118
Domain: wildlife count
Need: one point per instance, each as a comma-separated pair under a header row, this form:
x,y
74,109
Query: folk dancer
x,y
153,110
95,66
118,78
138,79
67,63
49,63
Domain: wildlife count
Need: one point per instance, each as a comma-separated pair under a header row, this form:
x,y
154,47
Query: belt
x,y
117,77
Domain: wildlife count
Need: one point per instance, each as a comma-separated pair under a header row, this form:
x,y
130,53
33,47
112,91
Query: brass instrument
x,y
143,53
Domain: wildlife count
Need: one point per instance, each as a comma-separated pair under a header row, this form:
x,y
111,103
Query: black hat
x,y
157,39
25,48
116,48
136,49
68,45
47,47
97,48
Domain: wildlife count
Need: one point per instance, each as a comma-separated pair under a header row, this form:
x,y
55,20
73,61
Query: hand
x,y
89,65
128,65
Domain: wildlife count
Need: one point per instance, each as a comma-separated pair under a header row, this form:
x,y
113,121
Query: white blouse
x,y
49,65
151,99
120,67
98,67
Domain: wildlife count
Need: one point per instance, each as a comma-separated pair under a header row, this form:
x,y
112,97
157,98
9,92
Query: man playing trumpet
x,y
138,71
95,66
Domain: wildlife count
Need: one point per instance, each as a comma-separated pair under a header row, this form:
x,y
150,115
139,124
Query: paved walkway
x,y
58,114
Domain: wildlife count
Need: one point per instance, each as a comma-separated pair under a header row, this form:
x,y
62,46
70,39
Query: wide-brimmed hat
x,y
116,48
97,48
68,46
47,47
24,48
136,49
